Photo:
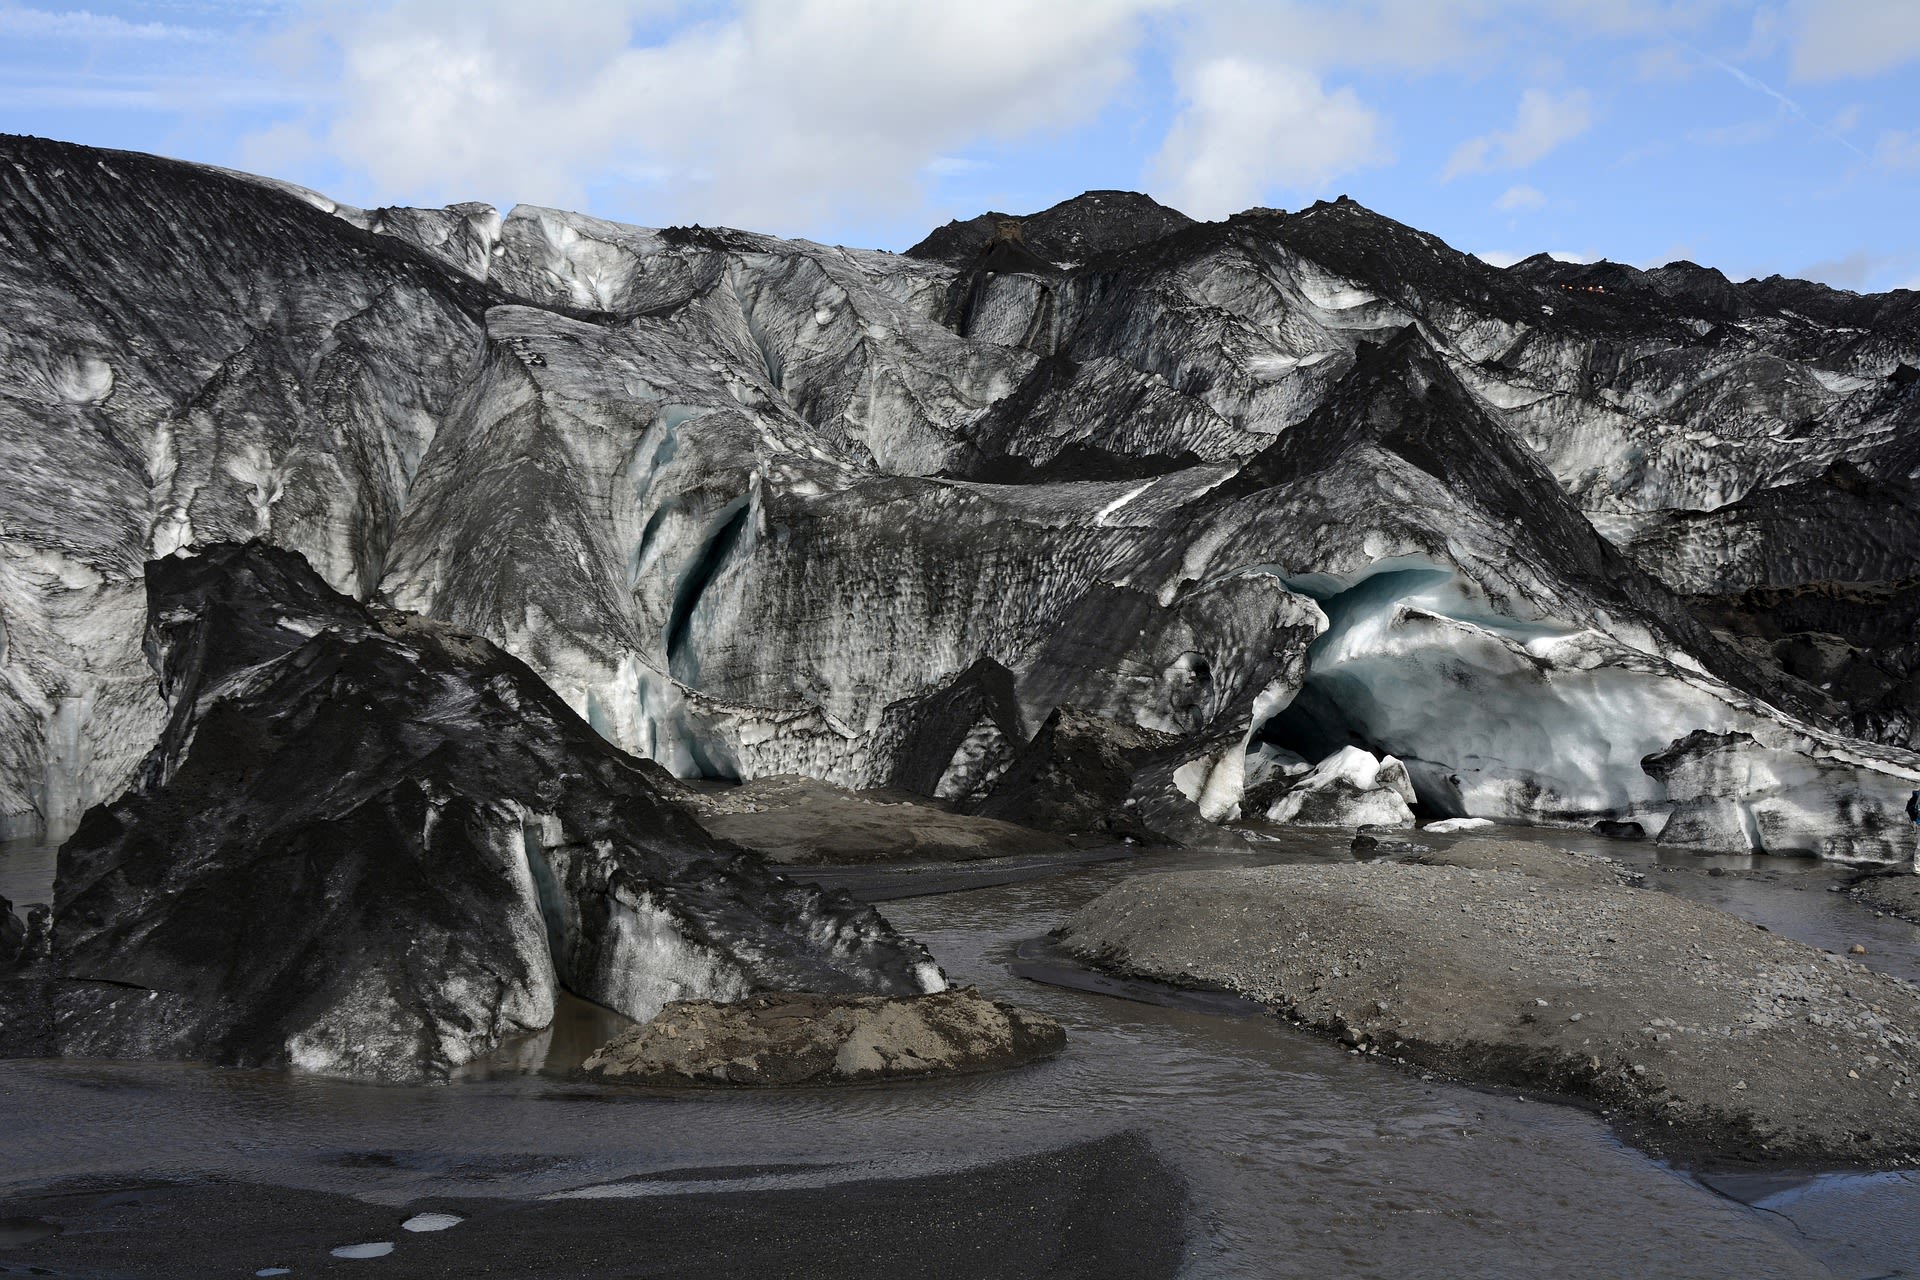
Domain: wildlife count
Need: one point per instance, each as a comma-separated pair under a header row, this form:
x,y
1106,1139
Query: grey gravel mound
x,y
817,1039
1714,1038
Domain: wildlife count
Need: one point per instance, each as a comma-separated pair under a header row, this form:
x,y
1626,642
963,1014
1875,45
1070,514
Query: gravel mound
x,y
816,1039
1712,1037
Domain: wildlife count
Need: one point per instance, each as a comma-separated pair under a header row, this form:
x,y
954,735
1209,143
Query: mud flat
x,y
1109,1207
1513,964
798,821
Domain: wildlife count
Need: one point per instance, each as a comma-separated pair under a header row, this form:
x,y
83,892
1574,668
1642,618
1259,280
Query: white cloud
x,y
1838,38
1245,128
1664,63
1857,270
145,93
1410,35
1543,122
81,24
1897,149
953,167
1521,198
773,115
1736,135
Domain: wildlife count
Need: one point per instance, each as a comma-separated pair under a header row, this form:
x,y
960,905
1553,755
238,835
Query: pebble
x,y
372,1249
1856,950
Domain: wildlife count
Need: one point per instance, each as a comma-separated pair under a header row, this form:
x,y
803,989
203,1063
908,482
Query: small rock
x,y
1856,950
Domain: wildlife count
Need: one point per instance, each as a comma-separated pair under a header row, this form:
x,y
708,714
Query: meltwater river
x,y
1298,1157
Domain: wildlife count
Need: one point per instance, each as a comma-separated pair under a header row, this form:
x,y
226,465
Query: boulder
x,y
1077,775
1350,788
820,1039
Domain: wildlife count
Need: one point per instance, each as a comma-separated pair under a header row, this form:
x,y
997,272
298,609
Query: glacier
x,y
1290,482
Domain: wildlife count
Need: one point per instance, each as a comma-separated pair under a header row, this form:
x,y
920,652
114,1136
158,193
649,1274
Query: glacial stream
x,y
1299,1157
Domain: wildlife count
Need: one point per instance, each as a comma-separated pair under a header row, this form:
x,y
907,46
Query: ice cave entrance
x,y
1414,664
1336,708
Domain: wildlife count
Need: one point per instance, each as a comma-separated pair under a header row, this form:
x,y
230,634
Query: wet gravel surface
x,y
1547,969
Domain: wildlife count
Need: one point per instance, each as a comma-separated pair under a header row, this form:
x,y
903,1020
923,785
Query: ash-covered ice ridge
x,y
369,844
1287,482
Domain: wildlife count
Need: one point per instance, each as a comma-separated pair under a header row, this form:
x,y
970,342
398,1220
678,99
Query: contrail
x,y
1761,86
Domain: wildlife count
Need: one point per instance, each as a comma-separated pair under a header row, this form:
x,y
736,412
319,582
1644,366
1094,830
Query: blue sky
x,y
1757,138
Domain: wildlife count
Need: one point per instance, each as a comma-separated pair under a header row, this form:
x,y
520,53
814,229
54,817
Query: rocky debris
x,y
1350,788
797,821
1732,793
1365,844
1897,895
1710,1037
372,845
796,1039
1079,774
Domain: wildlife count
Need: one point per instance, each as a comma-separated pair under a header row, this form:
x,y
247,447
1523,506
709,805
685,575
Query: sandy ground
x,y
801,822
1515,964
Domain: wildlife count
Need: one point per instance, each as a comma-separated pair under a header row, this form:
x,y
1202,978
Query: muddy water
x,y
1300,1159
